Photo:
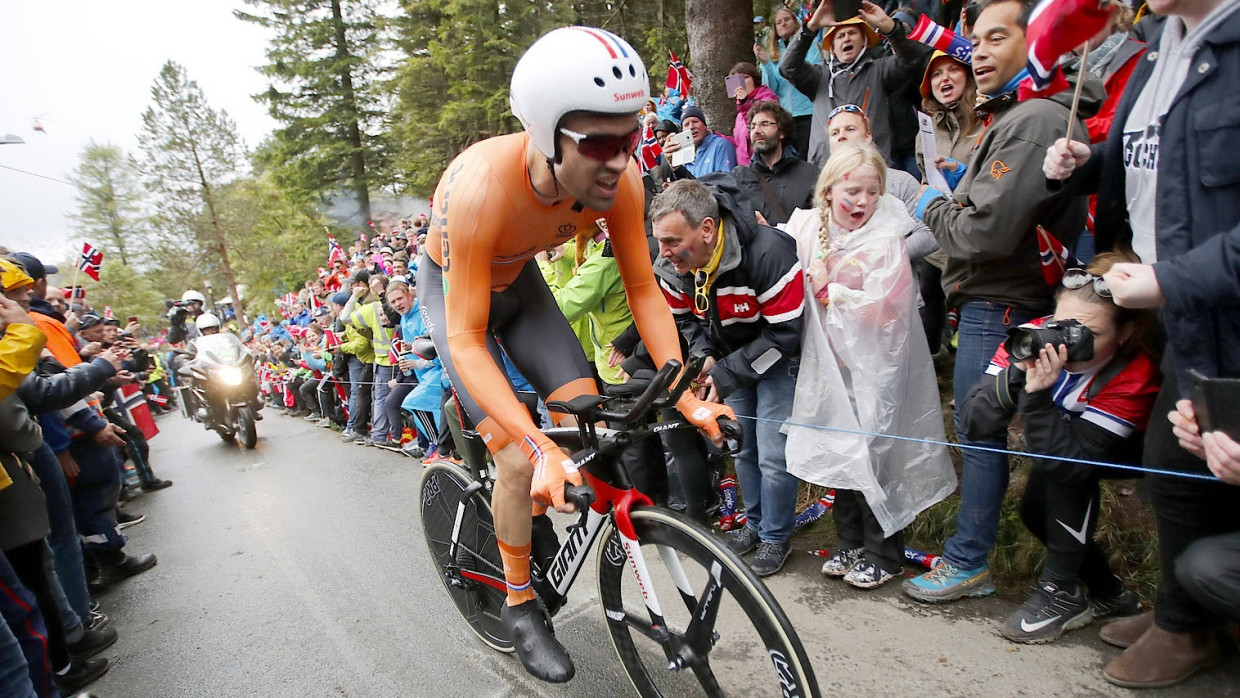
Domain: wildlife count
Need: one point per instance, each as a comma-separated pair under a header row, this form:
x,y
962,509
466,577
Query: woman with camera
x,y
1084,380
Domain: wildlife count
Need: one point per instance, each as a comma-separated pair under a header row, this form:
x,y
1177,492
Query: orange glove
x,y
704,415
552,468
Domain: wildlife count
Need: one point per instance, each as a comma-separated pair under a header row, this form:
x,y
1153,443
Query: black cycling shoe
x,y
544,542
534,639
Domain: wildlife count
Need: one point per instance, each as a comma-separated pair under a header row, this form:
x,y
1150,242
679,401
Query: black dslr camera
x,y
1024,343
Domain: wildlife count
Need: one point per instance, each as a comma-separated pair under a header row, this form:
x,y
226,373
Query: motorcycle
x,y
222,388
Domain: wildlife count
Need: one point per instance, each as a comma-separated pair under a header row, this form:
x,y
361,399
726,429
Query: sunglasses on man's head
x,y
1076,278
604,147
846,108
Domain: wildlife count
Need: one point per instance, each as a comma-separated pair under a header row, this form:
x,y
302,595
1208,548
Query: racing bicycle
x,y
686,615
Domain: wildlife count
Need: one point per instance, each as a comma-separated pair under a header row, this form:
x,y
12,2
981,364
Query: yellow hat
x,y
13,275
925,78
871,37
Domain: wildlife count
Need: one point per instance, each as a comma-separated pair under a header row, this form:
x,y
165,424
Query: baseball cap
x,y
89,320
12,275
36,269
360,276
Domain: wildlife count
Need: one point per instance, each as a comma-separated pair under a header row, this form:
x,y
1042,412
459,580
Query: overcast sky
x,y
85,70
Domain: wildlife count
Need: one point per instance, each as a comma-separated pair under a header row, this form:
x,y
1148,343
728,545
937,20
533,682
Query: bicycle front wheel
x,y
469,566
721,631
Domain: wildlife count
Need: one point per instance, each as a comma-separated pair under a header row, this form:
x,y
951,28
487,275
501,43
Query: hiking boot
x,y
124,519
842,562
80,673
770,557
1048,614
869,575
1126,631
1161,658
947,582
93,642
742,541
533,638
1125,603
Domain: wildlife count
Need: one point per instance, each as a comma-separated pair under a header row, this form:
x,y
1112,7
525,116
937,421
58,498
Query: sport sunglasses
x,y
603,147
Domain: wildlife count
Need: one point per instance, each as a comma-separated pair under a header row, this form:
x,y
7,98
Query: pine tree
x,y
189,151
109,200
328,60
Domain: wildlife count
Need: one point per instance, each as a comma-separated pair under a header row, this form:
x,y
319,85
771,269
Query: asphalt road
x,y
299,569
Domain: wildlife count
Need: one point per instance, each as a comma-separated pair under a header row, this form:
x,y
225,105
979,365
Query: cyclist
x,y
577,92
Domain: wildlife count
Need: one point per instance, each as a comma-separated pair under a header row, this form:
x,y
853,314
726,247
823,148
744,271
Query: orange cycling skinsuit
x,y
485,230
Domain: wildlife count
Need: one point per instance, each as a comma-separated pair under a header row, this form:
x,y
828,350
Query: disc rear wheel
x,y
473,574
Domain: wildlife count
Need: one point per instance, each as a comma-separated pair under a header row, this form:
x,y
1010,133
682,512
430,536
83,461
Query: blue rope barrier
x,y
991,449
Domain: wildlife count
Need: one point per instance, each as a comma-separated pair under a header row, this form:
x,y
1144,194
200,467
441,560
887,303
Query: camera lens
x,y
1024,346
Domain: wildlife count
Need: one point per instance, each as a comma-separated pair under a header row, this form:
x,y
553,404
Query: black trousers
x,y
800,138
307,393
856,527
934,309
1209,571
1187,510
136,447
329,401
27,561
1064,516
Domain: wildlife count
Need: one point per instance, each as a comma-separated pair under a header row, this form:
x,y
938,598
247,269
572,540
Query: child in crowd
x,y
864,369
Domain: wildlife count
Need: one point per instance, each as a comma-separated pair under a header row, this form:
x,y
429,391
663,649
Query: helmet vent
x,y
599,82
615,70
632,70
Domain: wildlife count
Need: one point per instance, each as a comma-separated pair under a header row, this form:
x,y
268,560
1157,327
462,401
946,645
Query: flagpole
x,y
1076,95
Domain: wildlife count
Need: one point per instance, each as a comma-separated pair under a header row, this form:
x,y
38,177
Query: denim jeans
x,y
768,491
380,425
65,546
360,375
984,480
23,639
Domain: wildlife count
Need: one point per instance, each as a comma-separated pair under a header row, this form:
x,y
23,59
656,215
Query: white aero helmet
x,y
207,320
575,69
192,295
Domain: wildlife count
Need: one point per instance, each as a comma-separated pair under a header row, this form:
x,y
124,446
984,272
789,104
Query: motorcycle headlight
x,y
230,375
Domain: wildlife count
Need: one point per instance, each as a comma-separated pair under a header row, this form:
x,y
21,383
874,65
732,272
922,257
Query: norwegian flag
x,y
159,400
649,152
333,251
678,76
937,36
1054,257
134,402
107,313
75,293
1055,28
91,260
331,340
288,299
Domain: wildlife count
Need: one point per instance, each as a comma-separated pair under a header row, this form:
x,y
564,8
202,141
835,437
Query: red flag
x,y
1055,28
937,36
1054,257
90,261
158,400
333,251
331,340
134,402
678,76
107,313
648,154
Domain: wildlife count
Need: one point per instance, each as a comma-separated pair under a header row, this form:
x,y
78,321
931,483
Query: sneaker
x,y
1048,614
98,621
93,642
770,558
412,449
869,575
947,582
156,484
842,562
348,436
313,417
363,441
324,422
742,541
124,519
1125,603
80,673
388,445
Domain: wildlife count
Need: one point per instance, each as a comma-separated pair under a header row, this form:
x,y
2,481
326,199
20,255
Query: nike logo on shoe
x,y
1079,535
1034,627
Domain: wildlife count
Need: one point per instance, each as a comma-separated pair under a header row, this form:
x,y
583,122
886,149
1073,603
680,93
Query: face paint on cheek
x,y
685,254
847,204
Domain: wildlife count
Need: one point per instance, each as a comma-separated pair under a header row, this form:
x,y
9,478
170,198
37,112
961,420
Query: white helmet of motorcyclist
x,y
207,321
192,295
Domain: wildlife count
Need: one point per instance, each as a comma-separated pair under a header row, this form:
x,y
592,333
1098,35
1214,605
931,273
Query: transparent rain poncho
x,y
865,366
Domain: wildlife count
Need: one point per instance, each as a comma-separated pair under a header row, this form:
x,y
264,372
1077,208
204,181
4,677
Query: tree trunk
x,y
221,240
720,36
357,159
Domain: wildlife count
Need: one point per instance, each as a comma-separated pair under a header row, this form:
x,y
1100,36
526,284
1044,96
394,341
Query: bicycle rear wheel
x,y
473,575
721,631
